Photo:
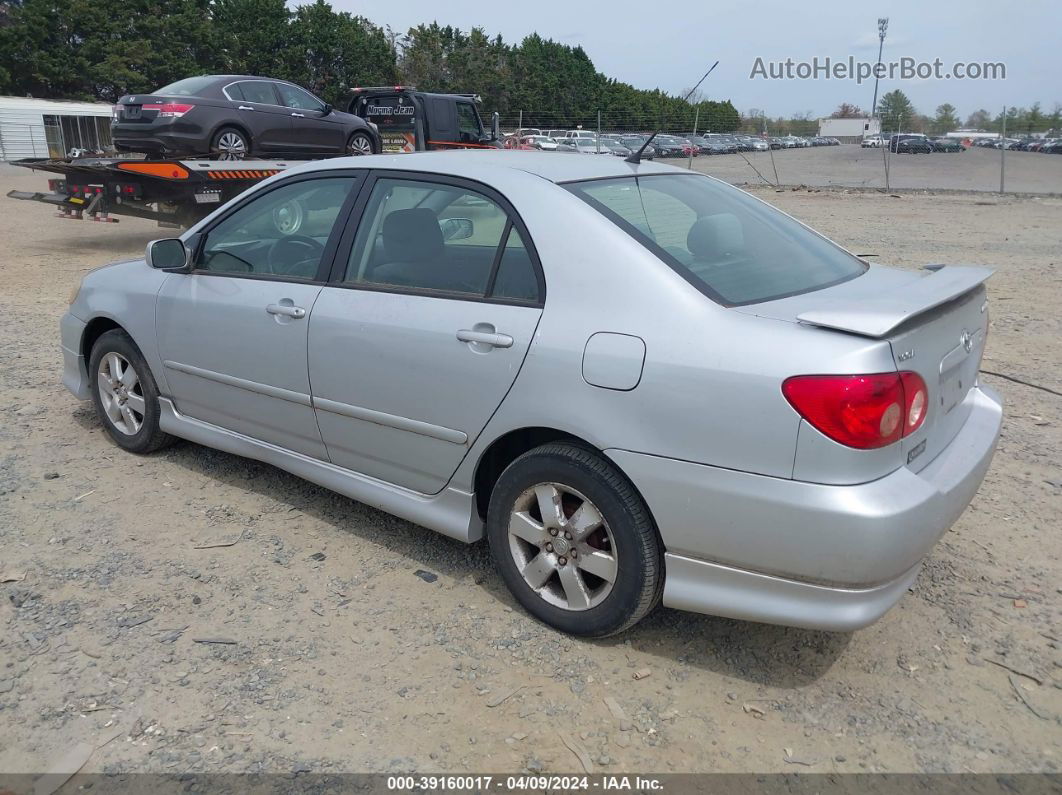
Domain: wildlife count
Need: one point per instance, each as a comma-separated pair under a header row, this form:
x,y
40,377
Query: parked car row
x,y
622,144
917,143
1046,146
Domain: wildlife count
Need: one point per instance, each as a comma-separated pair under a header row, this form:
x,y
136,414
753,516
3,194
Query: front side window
x,y
282,233
295,97
260,91
468,121
438,237
734,248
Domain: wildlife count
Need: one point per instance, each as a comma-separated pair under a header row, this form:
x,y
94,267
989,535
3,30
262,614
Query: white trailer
x,y
849,131
51,128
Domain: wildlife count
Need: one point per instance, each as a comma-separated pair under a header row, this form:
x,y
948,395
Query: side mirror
x,y
326,109
456,228
168,254
495,126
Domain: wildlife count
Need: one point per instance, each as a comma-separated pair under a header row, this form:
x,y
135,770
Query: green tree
x,y
945,120
895,111
331,52
250,35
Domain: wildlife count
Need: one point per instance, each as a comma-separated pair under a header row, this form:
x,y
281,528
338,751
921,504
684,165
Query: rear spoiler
x,y
877,316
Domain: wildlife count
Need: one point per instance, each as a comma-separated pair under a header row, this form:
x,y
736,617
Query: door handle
x,y
300,115
245,107
485,338
283,309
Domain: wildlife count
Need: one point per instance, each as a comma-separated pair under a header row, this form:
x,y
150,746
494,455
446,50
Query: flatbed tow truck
x,y
179,192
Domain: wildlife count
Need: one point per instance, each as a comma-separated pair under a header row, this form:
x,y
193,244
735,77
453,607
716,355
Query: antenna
x,y
636,158
690,94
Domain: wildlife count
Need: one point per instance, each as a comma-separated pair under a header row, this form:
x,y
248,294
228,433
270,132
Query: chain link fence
x,y
848,165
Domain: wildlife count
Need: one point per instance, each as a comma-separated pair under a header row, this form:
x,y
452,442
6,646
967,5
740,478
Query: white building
x,y
849,131
51,128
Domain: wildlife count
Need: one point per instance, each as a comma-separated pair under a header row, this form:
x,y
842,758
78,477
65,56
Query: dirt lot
x,y
344,660
976,169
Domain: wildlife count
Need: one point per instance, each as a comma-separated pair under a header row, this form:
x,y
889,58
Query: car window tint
x,y
234,92
516,277
467,120
294,97
189,87
735,248
259,91
281,233
428,236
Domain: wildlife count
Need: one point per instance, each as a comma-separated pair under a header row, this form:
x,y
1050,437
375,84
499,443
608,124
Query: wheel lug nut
x,y
549,547
553,531
567,535
574,554
562,561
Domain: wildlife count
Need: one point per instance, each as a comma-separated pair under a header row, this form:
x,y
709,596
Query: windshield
x,y
732,247
189,87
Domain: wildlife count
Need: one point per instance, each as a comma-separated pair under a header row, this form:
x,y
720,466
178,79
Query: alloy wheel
x,y
562,546
359,145
231,146
121,393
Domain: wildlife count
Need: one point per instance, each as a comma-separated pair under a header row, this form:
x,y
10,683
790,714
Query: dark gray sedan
x,y
232,117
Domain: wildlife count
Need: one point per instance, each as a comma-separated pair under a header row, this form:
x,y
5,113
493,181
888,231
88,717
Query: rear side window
x,y
430,236
732,247
259,91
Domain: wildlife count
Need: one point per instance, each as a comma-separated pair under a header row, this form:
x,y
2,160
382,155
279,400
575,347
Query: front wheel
x,y
574,541
359,144
125,394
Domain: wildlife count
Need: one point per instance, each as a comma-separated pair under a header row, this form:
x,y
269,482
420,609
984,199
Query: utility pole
x,y
696,118
1003,149
883,25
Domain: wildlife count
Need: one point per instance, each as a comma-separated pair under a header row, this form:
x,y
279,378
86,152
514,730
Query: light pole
x,y
883,25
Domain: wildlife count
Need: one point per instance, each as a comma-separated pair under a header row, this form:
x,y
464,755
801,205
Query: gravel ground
x,y
331,654
849,165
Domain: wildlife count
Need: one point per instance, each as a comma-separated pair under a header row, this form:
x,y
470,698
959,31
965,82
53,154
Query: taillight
x,y
170,109
861,411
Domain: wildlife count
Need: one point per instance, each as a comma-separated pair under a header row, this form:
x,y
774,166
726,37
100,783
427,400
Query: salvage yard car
x,y
236,116
639,383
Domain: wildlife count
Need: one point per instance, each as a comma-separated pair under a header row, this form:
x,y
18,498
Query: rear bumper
x,y
807,554
154,139
75,372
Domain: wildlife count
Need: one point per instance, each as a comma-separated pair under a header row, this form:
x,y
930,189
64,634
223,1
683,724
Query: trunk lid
x,y
935,322
130,109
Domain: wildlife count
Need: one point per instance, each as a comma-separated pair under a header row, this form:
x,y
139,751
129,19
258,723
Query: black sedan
x,y
947,145
910,144
232,117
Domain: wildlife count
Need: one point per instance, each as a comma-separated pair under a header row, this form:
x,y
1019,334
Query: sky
x,y
651,44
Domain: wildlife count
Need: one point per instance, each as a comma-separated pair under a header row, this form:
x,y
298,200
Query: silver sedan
x,y
639,384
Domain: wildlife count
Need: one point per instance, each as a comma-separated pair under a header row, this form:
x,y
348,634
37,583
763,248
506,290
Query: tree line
x,y
89,50
898,114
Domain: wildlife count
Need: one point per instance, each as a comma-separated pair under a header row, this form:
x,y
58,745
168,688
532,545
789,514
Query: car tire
x,y
360,143
581,576
230,143
125,394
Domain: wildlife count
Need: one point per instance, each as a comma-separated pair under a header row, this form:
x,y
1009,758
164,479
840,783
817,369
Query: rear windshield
x,y
189,87
732,247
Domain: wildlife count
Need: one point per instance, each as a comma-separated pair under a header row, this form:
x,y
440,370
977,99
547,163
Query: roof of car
x,y
553,167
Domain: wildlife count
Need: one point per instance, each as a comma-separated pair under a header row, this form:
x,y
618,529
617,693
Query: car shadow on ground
x,y
760,653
